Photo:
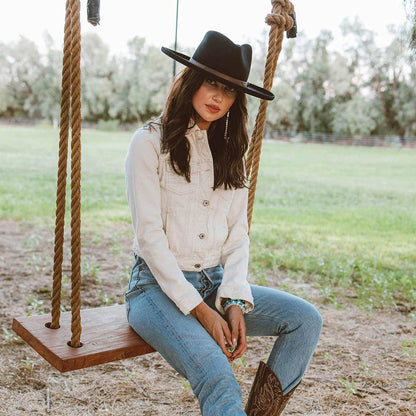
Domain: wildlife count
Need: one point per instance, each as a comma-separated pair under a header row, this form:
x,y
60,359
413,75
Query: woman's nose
x,y
219,95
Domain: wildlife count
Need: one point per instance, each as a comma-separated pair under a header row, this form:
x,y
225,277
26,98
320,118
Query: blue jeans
x,y
191,351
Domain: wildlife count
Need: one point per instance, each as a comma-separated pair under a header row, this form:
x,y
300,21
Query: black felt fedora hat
x,y
219,57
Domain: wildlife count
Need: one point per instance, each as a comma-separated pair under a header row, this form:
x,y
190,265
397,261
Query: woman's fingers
x,y
241,348
237,325
230,335
222,337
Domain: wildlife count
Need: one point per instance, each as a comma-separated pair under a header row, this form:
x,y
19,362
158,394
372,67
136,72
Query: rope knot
x,y
273,19
276,3
281,15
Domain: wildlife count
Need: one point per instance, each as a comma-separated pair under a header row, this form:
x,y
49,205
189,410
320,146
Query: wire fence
x,y
408,142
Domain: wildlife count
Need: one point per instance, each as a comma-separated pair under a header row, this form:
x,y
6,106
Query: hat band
x,y
218,74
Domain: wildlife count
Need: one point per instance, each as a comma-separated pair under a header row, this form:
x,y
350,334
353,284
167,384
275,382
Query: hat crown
x,y
221,54
220,58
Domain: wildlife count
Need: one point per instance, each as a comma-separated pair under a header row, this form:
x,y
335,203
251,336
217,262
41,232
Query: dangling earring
x,y
227,120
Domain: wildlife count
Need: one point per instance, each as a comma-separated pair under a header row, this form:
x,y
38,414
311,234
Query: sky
x,y
154,20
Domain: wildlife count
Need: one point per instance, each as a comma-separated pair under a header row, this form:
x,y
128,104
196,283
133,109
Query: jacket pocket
x,y
179,185
225,199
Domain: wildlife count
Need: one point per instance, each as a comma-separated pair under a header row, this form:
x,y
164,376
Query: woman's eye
x,y
228,90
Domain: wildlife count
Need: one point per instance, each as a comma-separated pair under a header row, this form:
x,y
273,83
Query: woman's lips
x,y
213,108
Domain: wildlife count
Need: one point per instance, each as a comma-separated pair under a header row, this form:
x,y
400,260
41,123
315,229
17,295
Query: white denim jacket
x,y
186,226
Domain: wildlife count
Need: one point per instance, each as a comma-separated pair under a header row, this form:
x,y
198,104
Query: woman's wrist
x,y
199,309
227,303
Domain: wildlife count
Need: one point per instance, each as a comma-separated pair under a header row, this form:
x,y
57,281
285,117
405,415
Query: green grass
x,y
28,171
342,218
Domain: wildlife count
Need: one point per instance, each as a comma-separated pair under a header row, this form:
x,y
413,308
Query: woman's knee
x,y
311,319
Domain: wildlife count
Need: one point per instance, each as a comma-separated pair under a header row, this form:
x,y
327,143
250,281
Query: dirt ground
x,y
365,363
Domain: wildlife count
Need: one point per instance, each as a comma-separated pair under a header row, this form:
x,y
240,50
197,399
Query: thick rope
x,y
280,21
76,174
62,172
71,99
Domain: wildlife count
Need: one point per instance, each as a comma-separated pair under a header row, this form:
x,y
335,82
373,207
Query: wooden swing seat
x,y
106,336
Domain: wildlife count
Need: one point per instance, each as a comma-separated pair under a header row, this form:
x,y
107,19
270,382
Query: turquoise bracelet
x,y
229,302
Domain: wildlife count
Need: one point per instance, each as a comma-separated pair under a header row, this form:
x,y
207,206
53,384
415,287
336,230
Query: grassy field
x,y
342,218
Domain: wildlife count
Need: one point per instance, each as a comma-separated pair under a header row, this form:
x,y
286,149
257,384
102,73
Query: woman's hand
x,y
237,324
215,325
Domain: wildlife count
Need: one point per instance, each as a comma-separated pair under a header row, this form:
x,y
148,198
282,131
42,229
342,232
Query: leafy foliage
x,y
357,89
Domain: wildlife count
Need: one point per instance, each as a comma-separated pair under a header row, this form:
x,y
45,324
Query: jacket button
x,y
205,203
201,236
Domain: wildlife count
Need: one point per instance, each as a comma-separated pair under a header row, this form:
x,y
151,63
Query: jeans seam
x,y
169,327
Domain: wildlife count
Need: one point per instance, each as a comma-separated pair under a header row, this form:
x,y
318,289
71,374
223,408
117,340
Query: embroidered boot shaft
x,y
266,397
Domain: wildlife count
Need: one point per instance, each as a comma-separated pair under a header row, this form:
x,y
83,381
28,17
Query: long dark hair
x,y
228,155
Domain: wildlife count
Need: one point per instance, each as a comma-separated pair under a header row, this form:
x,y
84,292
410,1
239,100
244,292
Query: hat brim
x,y
250,89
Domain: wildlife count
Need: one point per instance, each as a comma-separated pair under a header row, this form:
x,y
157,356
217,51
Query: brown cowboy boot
x,y
266,396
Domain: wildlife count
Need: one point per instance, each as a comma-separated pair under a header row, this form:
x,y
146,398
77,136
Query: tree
x,y
379,71
23,69
97,71
284,114
404,99
311,82
47,87
412,20
354,117
147,74
5,98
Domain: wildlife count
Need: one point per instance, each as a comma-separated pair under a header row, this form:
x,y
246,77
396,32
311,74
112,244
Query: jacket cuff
x,y
232,293
189,302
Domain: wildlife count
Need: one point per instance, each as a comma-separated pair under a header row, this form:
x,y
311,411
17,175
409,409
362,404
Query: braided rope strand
x,y
76,175
279,21
62,172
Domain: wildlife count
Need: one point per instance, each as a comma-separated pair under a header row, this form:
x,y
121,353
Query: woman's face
x,y
212,101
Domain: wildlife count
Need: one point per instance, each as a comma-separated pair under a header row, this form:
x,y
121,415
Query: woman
x,y
188,294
